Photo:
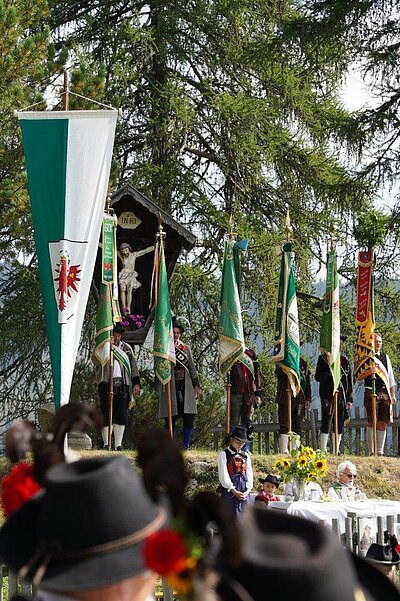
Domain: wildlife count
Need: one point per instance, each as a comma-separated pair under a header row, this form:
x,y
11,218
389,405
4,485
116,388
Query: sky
x,y
356,95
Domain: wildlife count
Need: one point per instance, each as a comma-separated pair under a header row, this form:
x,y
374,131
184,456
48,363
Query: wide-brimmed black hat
x,y
383,554
240,433
177,324
88,526
270,478
291,557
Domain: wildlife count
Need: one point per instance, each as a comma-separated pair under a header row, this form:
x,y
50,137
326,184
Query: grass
x,y
378,477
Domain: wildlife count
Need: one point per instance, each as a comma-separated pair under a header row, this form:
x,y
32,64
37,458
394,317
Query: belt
x,y
117,382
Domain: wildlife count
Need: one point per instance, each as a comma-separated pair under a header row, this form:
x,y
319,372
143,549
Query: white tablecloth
x,y
317,511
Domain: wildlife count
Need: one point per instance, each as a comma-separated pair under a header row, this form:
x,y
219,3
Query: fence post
x,y
358,432
259,436
381,529
313,428
336,527
348,524
12,584
395,434
390,524
276,434
266,436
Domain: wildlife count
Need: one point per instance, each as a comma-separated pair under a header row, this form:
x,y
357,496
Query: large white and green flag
x,y
330,323
286,351
68,157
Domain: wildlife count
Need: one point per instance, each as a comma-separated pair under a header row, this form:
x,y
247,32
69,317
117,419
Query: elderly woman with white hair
x,y
345,487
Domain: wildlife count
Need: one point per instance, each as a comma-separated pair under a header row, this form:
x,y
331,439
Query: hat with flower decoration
x,y
85,530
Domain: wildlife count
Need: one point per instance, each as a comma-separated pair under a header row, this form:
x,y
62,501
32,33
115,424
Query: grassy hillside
x,y
379,477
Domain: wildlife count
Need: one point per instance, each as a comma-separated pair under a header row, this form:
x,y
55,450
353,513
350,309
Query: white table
x,y
318,510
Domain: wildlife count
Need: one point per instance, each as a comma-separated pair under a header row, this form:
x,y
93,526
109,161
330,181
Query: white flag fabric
x,y
68,158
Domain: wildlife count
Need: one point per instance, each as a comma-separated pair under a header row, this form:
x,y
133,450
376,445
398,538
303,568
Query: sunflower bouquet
x,y
303,465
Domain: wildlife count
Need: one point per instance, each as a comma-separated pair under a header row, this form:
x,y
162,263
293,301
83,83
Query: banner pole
x,y
374,417
66,92
335,421
373,375
289,409
228,401
110,397
169,408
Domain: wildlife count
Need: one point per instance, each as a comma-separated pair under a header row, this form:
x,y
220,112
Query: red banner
x,y
365,323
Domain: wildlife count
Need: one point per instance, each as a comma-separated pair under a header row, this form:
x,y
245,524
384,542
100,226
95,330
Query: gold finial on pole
x,y
161,234
66,92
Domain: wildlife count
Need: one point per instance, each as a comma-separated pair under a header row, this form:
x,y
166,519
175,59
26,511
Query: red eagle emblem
x,y
67,280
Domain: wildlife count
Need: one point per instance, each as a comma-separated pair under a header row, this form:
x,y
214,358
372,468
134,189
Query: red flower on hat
x,y
165,552
18,487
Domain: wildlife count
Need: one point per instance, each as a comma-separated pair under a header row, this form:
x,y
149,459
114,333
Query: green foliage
x,y
371,229
230,115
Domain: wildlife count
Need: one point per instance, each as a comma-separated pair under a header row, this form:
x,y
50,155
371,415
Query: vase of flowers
x,y
303,465
129,320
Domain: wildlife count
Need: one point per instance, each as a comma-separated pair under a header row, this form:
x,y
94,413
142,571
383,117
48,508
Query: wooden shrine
x,y
138,220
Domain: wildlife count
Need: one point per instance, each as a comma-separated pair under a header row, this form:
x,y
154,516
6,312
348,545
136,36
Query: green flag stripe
x,y
45,142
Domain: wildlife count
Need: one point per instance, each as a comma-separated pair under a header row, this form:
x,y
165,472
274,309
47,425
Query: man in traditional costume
x,y
323,375
299,404
246,392
385,388
126,382
185,388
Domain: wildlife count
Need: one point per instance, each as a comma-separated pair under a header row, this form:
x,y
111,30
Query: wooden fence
x,y
266,434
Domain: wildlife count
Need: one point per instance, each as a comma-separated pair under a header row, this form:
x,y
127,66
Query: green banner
x,y
163,347
330,322
107,256
286,338
104,325
231,327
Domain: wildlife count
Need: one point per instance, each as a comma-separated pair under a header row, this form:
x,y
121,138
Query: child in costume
x,y
235,472
267,493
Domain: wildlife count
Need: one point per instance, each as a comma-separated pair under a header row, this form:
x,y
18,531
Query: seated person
x,y
312,490
267,493
345,488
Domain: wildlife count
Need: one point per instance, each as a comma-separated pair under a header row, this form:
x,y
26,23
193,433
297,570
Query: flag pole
x,y
110,392
161,235
336,393
66,92
228,401
373,375
66,108
288,388
111,356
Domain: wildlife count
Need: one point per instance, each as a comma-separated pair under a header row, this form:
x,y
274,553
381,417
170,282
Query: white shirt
x,y
347,494
223,473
